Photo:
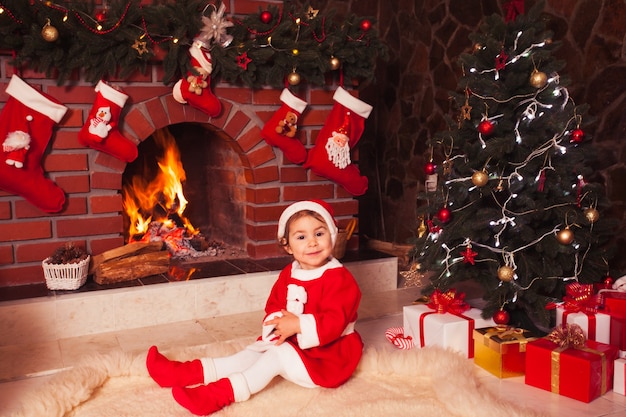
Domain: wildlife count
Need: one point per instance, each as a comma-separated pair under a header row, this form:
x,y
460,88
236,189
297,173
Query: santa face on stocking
x,y
338,149
15,146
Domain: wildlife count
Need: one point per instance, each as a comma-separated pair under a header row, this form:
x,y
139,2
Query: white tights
x,y
259,368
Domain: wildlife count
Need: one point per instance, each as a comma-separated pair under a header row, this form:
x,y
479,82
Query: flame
x,y
160,199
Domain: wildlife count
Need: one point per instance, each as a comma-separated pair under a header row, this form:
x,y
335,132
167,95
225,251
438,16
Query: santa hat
x,y
318,206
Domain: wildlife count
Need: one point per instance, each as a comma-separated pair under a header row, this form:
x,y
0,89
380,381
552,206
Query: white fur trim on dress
x,y
33,99
361,108
308,337
111,94
292,101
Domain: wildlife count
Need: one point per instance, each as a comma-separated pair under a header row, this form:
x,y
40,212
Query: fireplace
x,y
208,209
243,207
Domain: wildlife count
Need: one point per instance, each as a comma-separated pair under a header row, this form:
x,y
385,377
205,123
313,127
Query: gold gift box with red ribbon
x,y
501,350
567,364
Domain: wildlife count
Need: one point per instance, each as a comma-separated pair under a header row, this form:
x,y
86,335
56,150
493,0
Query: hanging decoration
x,y
124,36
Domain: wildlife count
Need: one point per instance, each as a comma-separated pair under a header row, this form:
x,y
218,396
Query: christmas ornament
x,y
501,60
486,127
430,168
421,229
265,17
101,16
444,215
501,317
214,29
506,273
477,47
293,78
565,236
280,130
480,178
365,25
140,47
412,277
49,33
592,215
311,13
243,60
538,79
469,255
335,63
466,110
342,130
577,136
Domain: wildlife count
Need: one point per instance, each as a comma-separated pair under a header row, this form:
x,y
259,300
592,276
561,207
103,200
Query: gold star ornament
x,y
311,13
140,47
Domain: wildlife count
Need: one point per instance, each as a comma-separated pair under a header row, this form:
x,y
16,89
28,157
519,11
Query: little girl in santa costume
x,y
308,334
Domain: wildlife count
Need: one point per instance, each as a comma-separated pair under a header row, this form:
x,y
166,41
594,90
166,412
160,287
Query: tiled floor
x,y
25,368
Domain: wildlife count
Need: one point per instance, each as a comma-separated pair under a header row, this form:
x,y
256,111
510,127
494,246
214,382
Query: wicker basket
x,y
343,236
65,276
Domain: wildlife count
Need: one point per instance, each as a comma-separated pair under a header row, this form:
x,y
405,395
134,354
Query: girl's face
x,y
309,242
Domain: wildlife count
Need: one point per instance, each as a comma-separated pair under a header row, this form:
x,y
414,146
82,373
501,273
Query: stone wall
x,y
410,98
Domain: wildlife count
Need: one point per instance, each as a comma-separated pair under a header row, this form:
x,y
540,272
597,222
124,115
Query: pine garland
x,y
69,39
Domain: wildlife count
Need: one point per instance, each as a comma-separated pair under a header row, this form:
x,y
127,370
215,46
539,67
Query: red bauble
x,y
430,168
486,127
266,17
101,16
444,215
577,136
501,317
366,25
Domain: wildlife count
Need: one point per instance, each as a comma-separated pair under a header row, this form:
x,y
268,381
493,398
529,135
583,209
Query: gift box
x,y
596,326
619,378
614,302
582,371
618,334
501,350
454,331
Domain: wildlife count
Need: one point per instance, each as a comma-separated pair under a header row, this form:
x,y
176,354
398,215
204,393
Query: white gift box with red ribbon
x,y
596,326
453,331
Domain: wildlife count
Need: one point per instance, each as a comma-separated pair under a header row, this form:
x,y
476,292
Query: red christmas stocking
x,y
330,157
195,89
100,131
26,124
281,129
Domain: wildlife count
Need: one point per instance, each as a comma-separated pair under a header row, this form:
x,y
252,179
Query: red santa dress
x,y
326,299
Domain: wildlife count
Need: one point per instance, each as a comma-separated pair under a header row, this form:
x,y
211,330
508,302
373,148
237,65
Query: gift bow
x,y
580,298
448,302
568,335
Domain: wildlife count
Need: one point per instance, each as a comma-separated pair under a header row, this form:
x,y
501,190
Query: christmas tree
x,y
513,204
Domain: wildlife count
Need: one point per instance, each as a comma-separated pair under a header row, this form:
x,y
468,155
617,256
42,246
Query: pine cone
x,y
67,254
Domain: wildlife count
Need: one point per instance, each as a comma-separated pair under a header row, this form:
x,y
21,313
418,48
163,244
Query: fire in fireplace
x,y
155,186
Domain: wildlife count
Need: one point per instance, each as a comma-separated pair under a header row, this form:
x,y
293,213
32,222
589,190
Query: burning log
x,y
129,262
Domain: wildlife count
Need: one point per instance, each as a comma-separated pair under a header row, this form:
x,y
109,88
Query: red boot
x,y
169,373
206,399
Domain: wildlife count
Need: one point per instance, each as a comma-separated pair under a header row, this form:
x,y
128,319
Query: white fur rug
x,y
418,382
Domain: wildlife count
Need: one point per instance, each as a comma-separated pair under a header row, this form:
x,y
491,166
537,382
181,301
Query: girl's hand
x,y
285,326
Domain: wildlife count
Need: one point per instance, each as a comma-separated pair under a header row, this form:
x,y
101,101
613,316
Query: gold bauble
x,y
592,215
565,236
505,273
335,63
480,178
538,79
293,78
49,33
